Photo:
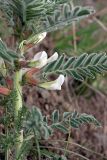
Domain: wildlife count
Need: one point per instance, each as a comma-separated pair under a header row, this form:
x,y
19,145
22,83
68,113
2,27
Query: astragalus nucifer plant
x,y
25,129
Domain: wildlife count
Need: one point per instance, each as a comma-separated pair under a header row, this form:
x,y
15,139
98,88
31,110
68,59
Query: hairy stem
x,y
74,32
18,107
7,151
37,144
68,139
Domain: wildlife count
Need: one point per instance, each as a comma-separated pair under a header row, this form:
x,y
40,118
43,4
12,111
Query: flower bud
x,y
31,41
28,76
4,91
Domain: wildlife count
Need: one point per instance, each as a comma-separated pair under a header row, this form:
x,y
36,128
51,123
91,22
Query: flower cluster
x,y
31,67
38,62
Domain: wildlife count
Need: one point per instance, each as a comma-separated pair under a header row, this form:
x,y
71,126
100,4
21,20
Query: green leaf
x,y
75,75
88,59
103,67
35,117
86,73
13,54
45,132
77,120
95,69
49,67
42,16
66,11
62,158
58,63
66,114
96,59
2,45
69,62
79,61
60,127
82,12
45,119
84,66
3,52
6,54
74,124
89,119
55,116
103,59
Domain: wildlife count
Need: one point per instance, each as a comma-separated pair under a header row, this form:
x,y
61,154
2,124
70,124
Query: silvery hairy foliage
x,y
27,130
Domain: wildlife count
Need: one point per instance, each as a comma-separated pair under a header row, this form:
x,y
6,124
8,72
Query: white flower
x,y
54,57
41,59
54,85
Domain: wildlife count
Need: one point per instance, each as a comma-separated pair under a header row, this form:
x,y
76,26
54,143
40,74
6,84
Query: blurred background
x,y
89,35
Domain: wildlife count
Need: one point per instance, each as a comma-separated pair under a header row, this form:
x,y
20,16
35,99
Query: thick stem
x,y
37,144
18,107
74,32
7,151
